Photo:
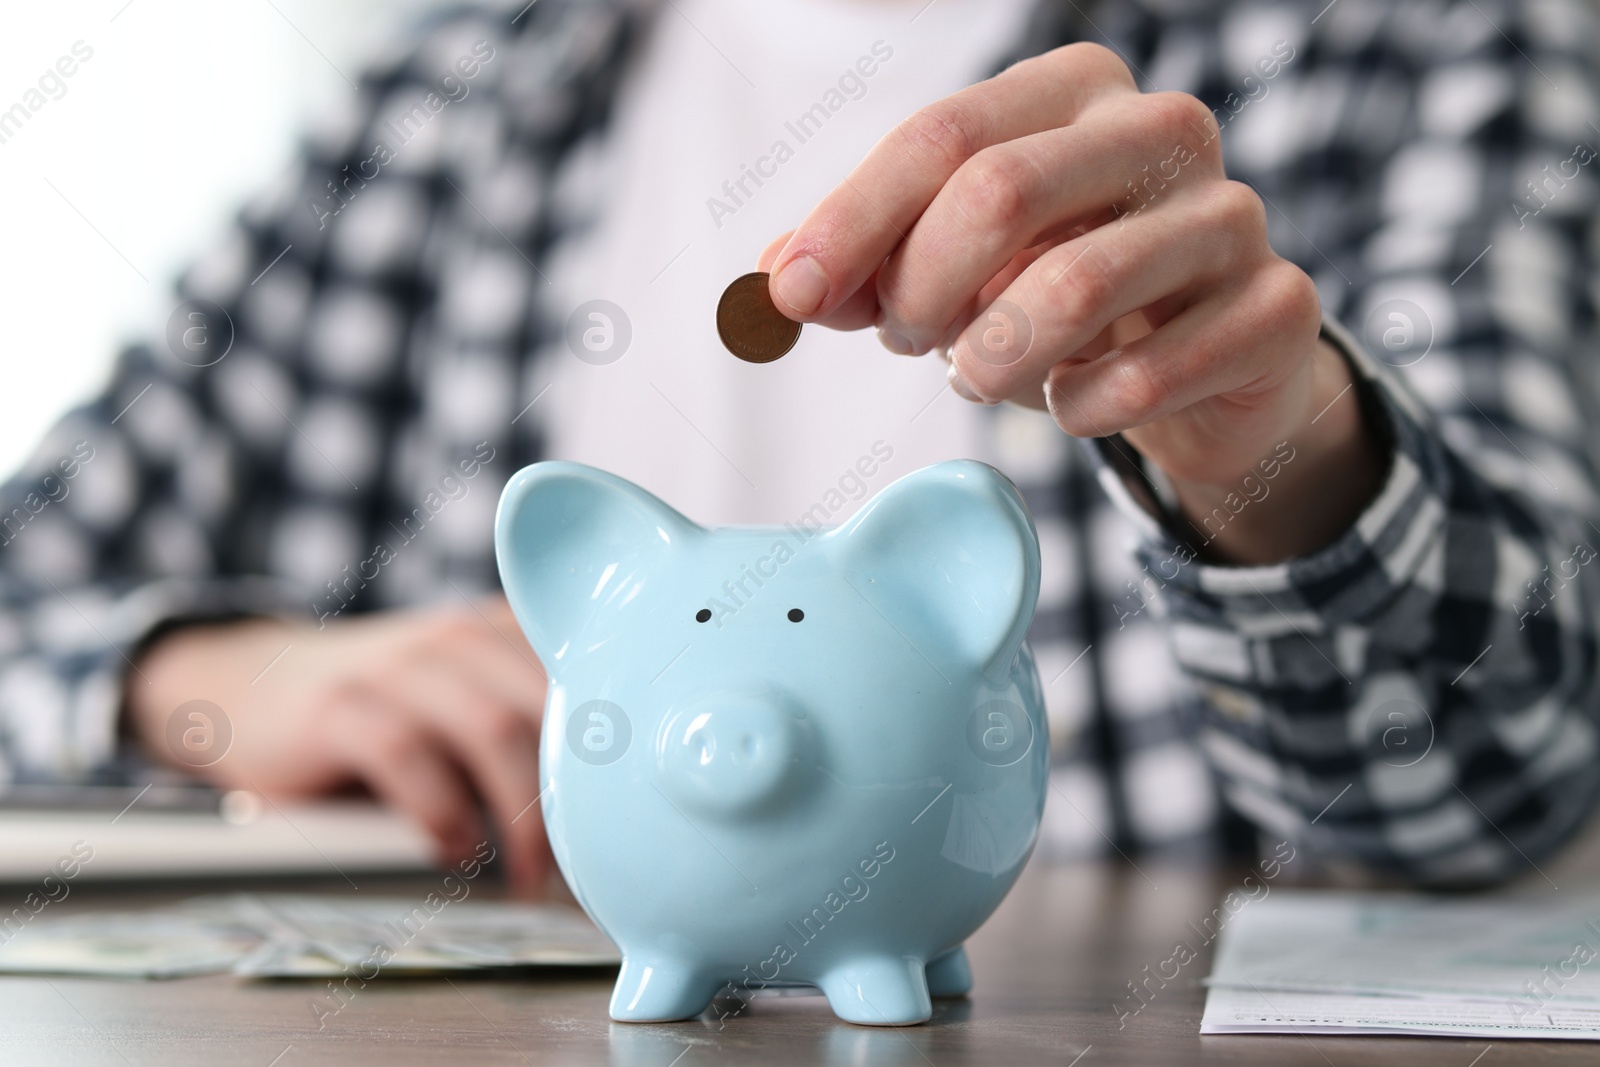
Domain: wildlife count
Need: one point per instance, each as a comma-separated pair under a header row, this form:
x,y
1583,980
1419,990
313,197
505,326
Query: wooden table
x,y
1049,966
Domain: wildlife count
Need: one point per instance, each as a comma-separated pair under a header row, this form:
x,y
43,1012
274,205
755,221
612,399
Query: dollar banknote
x,y
295,935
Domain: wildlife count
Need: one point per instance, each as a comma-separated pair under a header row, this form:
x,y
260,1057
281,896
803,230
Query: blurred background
x,y
184,110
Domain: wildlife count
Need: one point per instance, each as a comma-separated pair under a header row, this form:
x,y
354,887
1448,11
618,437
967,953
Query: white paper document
x,y
1379,963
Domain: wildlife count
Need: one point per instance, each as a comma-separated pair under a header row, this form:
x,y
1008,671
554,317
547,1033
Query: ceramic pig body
x,y
784,755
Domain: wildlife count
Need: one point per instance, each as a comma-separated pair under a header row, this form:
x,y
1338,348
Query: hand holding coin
x,y
1006,223
750,325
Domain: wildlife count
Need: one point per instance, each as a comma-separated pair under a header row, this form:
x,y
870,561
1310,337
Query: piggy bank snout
x,y
731,755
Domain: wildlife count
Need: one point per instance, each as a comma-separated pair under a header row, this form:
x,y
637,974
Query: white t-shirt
x,y
726,92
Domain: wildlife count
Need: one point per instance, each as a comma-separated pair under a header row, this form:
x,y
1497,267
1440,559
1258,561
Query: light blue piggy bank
x,y
784,755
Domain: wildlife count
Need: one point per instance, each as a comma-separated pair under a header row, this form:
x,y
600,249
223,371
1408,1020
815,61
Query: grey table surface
x,y
1049,966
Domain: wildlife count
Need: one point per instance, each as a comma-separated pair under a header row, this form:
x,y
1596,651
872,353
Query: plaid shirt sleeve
x,y
246,462
77,601
1420,696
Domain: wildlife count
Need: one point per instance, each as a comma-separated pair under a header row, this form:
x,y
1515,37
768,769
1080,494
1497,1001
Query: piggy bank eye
x,y
703,615
795,614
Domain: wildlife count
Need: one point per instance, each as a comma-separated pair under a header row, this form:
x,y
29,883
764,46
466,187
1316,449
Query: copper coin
x,y
750,325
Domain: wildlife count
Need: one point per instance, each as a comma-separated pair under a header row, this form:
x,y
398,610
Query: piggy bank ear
x,y
949,556
573,542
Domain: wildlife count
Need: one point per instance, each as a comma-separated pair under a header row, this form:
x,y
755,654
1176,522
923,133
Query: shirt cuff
x,y
61,699
1348,581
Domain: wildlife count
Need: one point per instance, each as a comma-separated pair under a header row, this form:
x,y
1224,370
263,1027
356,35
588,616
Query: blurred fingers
x,y
491,738
403,765
499,657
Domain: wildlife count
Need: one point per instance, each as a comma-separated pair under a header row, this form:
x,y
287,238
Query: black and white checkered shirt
x,y
1420,696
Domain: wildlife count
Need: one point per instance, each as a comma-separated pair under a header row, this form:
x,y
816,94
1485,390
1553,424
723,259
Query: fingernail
x,y
802,285
895,343
959,385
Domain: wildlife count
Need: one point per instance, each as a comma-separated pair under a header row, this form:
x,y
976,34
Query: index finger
x,y
849,235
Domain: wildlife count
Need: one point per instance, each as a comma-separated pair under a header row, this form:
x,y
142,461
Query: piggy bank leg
x,y
659,990
879,991
950,975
